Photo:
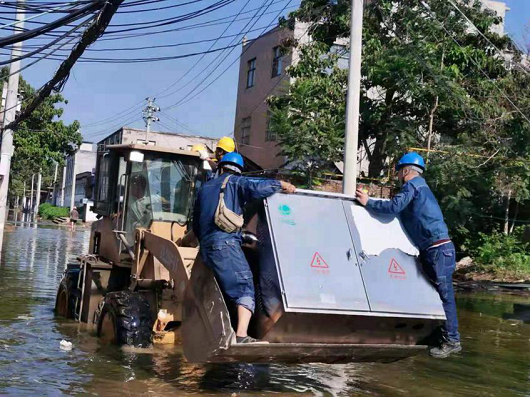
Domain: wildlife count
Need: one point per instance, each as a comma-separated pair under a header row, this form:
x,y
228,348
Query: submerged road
x,y
495,361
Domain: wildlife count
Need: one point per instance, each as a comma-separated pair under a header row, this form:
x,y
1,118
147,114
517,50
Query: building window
x,y
270,135
276,61
251,74
245,130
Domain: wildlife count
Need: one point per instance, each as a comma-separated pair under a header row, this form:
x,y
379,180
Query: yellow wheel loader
x,y
334,284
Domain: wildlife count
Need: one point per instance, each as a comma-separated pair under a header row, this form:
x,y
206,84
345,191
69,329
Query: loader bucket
x,y
334,284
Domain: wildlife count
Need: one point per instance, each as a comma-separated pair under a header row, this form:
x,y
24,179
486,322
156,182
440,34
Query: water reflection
x,y
494,362
521,312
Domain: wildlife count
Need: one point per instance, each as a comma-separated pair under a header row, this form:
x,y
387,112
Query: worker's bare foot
x,y
248,339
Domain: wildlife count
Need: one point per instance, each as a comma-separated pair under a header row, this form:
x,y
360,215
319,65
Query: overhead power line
x,y
200,25
74,15
500,52
159,95
26,20
44,47
235,18
60,77
155,47
189,96
52,51
476,63
275,85
243,33
281,79
178,19
159,8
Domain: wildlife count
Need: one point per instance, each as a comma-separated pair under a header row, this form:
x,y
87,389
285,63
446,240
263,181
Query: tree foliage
x,y
41,140
422,63
309,121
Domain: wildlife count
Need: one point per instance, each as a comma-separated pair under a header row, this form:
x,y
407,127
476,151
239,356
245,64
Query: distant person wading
x,y
74,217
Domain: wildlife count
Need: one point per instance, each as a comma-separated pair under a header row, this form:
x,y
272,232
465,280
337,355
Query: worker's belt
x,y
439,242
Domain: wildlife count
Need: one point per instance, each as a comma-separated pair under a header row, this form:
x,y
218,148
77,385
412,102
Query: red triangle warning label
x,y
395,268
318,261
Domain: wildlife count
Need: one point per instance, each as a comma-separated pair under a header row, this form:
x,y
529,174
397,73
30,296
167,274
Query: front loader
x,y
333,283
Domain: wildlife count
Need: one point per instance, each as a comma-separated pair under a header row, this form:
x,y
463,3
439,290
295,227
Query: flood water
x,y
495,361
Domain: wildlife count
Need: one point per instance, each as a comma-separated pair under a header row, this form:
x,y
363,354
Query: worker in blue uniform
x,y
221,249
423,220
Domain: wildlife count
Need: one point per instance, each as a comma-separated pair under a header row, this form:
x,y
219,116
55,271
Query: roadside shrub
x,y
43,207
504,255
48,211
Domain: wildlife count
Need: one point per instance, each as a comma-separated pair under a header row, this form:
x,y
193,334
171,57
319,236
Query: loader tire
x,y
68,295
126,319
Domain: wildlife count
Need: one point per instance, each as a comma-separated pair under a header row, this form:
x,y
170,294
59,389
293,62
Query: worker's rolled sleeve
x,y
418,211
255,189
394,206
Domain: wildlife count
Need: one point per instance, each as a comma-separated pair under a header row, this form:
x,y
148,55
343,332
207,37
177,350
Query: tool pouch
x,y
226,219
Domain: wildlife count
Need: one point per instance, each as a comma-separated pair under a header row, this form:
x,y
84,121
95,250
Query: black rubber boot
x,y
446,349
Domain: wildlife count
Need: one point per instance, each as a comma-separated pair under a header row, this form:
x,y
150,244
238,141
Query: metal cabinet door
x,y
393,278
316,263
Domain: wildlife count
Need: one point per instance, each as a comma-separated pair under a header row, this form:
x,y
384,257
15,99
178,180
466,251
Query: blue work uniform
x,y
221,251
211,174
423,220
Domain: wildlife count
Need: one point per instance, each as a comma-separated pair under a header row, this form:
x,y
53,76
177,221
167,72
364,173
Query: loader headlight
x,y
136,156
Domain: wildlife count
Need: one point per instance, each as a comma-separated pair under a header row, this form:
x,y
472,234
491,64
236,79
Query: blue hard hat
x,y
411,158
233,158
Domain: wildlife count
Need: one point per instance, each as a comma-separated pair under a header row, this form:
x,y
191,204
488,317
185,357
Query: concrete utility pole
x,y
3,106
54,183
9,116
24,203
63,182
149,117
354,99
72,196
37,198
15,211
30,212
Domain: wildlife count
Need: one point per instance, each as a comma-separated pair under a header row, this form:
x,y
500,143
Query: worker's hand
x,y
203,155
287,187
361,196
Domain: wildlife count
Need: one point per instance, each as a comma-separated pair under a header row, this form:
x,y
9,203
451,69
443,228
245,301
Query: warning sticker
x,y
395,268
319,262
396,271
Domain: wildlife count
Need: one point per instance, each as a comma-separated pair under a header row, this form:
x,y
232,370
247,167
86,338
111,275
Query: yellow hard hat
x,y
227,144
198,147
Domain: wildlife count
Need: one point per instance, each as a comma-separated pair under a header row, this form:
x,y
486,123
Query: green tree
x,y
41,140
309,121
411,69
429,80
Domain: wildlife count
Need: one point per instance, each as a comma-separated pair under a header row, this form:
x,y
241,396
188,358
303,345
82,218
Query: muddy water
x,y
496,360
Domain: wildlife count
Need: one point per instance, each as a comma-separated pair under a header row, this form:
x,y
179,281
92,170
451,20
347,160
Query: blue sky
x,y
105,96
517,22
101,91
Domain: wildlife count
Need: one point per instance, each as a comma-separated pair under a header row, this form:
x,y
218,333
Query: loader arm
x,y
177,260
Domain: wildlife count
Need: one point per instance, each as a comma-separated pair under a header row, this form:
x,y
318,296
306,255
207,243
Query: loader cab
x,y
137,185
